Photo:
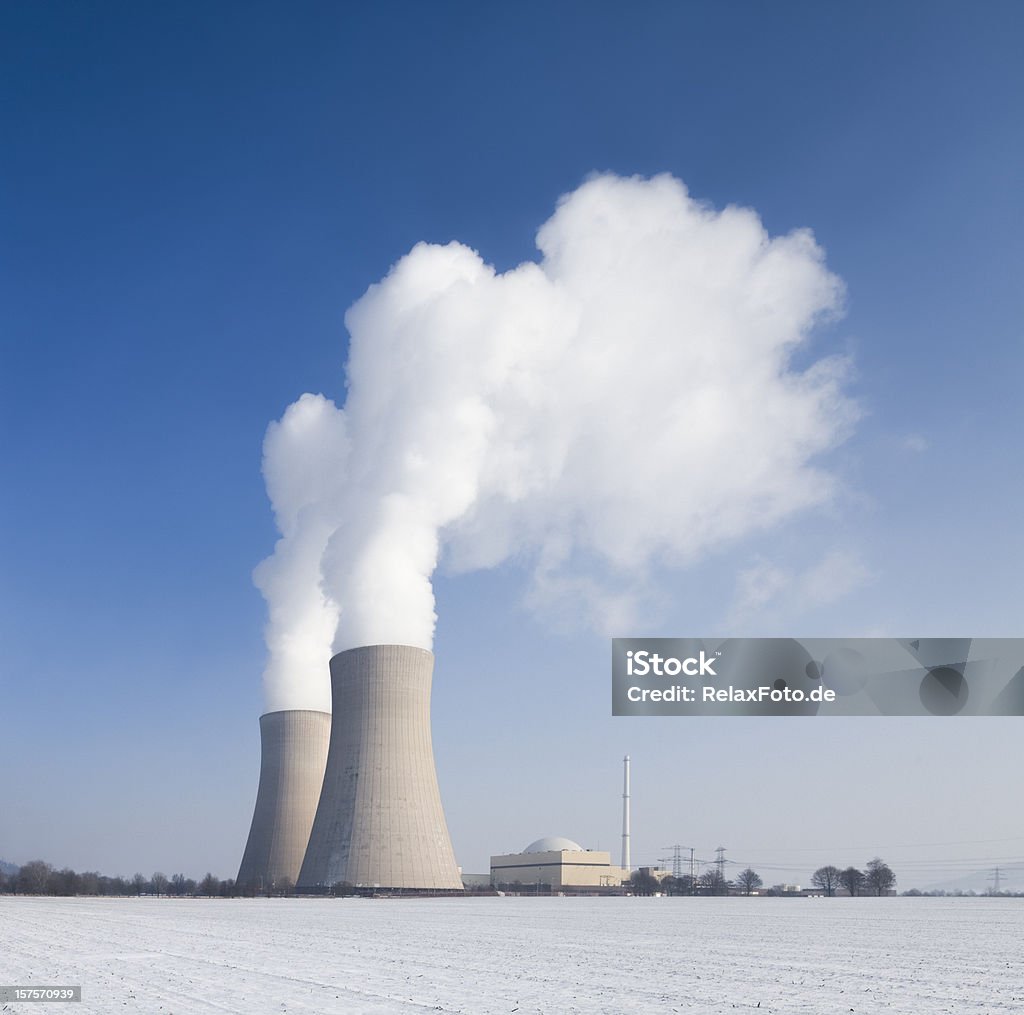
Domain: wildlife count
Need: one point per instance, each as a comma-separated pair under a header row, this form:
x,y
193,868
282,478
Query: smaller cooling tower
x,y
380,822
294,755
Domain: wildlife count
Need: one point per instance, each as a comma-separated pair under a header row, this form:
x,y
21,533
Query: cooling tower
x,y
294,755
380,821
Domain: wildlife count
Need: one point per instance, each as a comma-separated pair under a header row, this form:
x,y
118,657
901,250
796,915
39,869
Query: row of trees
x,y
959,893
40,878
711,882
876,879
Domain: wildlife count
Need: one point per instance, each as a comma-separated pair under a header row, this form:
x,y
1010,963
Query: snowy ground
x,y
504,955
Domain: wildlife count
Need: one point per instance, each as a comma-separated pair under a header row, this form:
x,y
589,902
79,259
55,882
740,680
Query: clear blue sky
x,y
191,195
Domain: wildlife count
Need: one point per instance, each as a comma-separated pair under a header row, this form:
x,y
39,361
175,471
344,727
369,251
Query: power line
x,y
898,845
916,866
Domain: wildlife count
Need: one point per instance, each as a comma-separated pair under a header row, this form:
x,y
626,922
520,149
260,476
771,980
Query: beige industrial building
x,y
558,864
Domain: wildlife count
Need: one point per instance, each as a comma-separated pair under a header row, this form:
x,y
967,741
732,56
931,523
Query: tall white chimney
x,y
625,814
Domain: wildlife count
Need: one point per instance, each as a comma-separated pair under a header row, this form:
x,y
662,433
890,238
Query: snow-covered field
x,y
504,955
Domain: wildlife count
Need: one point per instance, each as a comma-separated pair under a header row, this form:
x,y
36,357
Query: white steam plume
x,y
304,465
628,401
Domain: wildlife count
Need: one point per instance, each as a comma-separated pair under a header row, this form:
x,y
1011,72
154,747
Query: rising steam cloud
x,y
628,401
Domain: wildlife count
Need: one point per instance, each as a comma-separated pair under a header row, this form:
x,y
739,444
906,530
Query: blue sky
x,y
193,195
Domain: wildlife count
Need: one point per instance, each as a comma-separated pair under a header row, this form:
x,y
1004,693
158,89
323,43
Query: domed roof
x,y
553,844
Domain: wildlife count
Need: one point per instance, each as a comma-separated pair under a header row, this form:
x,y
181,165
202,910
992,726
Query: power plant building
x,y
379,822
557,863
293,755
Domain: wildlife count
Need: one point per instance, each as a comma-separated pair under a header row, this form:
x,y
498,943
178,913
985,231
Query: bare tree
x,y
138,883
828,879
852,880
34,877
677,886
210,885
879,876
159,883
748,881
119,886
712,882
62,882
643,882
89,883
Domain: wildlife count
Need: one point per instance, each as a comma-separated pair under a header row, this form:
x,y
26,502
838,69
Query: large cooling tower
x,y
380,821
294,755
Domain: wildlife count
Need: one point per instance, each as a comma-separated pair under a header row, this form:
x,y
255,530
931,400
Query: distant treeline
x,y
40,878
959,893
876,879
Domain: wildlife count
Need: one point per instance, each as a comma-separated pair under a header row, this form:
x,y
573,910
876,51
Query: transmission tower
x,y
720,862
995,878
677,861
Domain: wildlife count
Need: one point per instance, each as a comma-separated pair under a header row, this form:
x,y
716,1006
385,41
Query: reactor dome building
x,y
560,864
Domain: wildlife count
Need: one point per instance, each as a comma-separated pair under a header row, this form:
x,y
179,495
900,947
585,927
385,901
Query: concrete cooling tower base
x,y
380,823
293,757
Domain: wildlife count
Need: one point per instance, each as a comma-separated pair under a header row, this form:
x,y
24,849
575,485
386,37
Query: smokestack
x,y
625,814
293,748
379,822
